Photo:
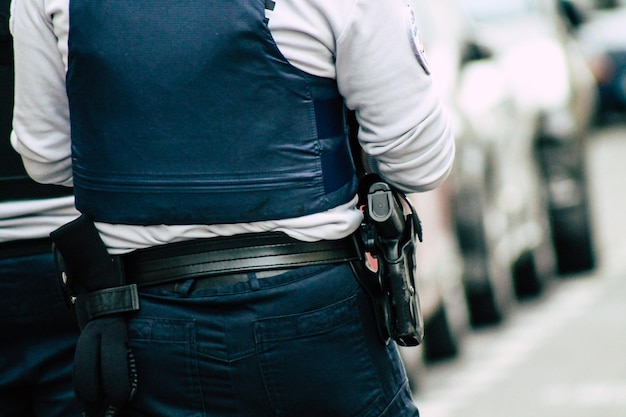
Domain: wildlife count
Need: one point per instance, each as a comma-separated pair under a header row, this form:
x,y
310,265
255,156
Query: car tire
x,y
487,284
534,269
563,167
573,240
530,278
440,342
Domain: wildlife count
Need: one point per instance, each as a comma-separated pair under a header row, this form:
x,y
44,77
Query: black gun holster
x,y
389,237
105,376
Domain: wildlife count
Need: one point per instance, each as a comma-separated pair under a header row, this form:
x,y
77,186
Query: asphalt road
x,y
564,354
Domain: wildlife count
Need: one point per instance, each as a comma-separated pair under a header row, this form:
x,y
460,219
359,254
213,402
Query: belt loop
x,y
254,282
185,287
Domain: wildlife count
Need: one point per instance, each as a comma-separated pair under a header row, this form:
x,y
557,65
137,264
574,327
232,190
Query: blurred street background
x,y
522,272
563,354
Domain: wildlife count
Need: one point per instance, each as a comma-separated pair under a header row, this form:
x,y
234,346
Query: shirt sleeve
x,y
403,124
41,126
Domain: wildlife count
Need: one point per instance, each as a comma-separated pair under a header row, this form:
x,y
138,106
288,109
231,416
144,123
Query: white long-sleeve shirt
x,y
35,219
368,46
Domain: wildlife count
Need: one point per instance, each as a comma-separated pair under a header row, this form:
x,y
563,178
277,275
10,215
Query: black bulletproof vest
x,y
186,112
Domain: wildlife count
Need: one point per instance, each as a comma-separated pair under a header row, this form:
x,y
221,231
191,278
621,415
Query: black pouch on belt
x,y
105,377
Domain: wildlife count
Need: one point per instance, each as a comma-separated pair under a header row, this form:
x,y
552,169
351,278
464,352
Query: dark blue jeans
x,y
300,344
37,338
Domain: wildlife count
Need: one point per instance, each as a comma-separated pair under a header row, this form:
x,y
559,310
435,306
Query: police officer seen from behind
x,y
37,331
206,141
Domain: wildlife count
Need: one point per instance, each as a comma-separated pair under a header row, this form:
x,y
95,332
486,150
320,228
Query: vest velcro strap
x,y
111,301
329,117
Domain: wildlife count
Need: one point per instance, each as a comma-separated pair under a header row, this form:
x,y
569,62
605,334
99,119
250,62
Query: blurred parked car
x,y
602,33
496,202
439,271
553,84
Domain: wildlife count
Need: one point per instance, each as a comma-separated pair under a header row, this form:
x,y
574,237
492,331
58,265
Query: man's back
x,y
226,309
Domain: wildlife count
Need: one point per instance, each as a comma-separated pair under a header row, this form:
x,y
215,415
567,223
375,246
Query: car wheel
x,y
533,270
573,240
487,283
563,167
529,277
440,342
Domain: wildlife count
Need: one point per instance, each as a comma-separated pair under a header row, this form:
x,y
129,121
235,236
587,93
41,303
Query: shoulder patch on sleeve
x,y
415,39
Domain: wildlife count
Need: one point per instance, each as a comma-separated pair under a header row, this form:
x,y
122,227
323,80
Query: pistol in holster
x,y
388,271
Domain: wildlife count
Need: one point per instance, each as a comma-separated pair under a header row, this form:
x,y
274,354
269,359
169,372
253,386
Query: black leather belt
x,y
226,260
28,247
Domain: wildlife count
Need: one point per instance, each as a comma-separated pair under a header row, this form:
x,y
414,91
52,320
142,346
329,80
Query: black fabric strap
x,y
28,247
109,301
230,255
